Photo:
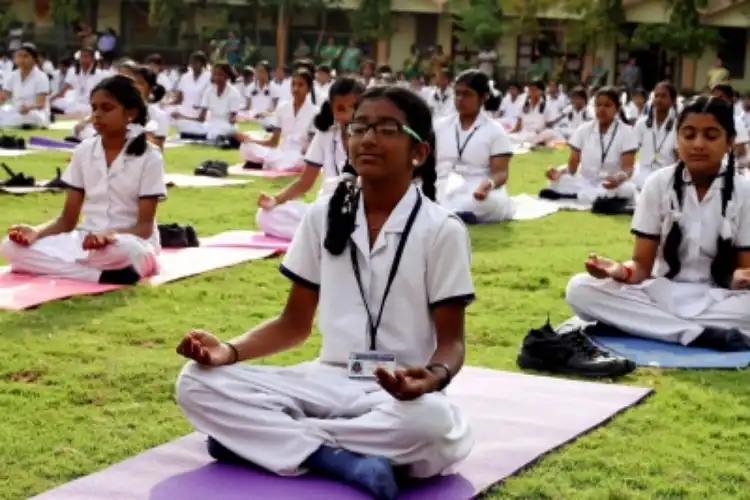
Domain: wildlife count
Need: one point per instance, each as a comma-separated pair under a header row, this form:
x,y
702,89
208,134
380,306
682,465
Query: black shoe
x,y
12,142
612,206
722,339
192,236
16,179
193,137
227,142
252,165
125,276
570,353
551,194
57,182
216,169
172,236
73,140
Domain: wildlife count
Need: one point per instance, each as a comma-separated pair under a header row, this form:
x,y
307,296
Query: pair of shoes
x,y
177,236
612,206
571,353
212,168
16,179
252,165
550,194
12,142
72,139
192,137
57,182
227,142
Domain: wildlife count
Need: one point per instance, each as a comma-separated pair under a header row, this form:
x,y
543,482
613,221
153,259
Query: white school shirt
x,y
326,151
192,90
435,269
742,133
535,120
483,141
163,80
220,107
701,221
295,129
261,98
25,92
574,118
510,109
619,139
321,91
159,122
441,102
657,144
632,112
283,89
560,102
112,195
83,82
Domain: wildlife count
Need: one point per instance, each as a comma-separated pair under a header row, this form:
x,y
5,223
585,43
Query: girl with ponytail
x,y
73,99
725,92
657,134
689,276
537,119
388,273
575,115
279,215
114,183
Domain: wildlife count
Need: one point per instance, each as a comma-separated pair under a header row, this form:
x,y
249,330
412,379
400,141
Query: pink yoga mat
x,y
246,239
21,291
268,174
516,419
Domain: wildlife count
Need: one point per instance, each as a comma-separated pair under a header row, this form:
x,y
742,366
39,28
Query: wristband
x,y
235,353
628,273
446,378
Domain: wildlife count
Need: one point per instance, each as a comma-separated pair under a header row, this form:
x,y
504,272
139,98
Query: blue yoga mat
x,y
663,355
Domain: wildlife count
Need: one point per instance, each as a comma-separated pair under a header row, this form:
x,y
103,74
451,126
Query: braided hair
x,y
542,101
342,207
672,91
725,261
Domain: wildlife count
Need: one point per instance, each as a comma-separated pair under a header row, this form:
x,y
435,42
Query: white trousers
x,y
11,118
282,220
589,190
185,126
509,122
641,173
62,256
659,308
214,129
86,133
534,138
277,417
456,194
73,107
277,159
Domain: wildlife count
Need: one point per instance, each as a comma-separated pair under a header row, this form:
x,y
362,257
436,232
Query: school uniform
x,y
159,122
219,110
510,110
112,195
441,102
327,153
675,310
601,156
295,132
275,417
560,102
282,89
77,100
633,113
571,119
262,100
192,87
463,161
24,92
534,124
657,147
322,90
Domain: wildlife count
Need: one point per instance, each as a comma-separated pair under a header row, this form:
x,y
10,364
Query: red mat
x,y
246,239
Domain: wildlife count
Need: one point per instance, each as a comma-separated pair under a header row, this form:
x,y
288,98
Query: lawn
x,y
87,382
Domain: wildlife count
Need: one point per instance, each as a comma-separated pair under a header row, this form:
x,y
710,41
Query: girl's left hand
x,y
483,190
741,279
409,384
612,181
97,241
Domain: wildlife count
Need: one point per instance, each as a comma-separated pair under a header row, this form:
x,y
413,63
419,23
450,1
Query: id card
x,y
362,365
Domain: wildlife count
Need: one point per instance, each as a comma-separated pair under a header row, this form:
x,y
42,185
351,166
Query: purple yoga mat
x,y
47,143
516,418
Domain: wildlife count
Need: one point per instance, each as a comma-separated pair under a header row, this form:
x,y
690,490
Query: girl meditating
x,y
688,279
115,181
280,215
656,134
537,119
23,98
389,272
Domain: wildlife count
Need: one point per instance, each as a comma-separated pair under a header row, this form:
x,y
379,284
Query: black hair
x,y
579,92
228,70
124,91
613,94
725,89
342,211
725,261
384,68
308,78
30,49
672,91
266,66
156,91
542,101
155,59
341,87
86,50
476,80
325,68
248,72
200,57
306,64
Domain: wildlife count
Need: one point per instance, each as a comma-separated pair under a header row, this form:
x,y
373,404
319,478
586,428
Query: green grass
x,y
87,382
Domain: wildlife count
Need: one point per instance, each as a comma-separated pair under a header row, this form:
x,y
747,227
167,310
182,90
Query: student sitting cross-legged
x,y
689,276
389,272
115,181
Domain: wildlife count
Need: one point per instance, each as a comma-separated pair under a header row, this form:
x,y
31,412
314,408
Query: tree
x,y
372,20
479,22
166,13
684,35
596,22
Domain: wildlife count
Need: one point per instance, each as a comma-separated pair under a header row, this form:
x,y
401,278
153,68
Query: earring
x,y
415,162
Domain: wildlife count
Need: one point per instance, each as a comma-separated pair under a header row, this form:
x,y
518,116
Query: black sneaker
x,y
57,182
722,339
16,179
252,165
172,236
551,194
193,137
570,353
612,206
227,142
192,236
217,169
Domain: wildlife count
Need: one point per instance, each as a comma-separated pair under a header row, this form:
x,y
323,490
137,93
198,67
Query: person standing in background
x,y
487,59
232,48
15,37
329,53
350,58
598,75
302,51
631,77
717,74
107,44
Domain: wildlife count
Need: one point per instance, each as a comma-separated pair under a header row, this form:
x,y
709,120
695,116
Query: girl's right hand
x,y
23,234
205,348
553,174
266,202
603,268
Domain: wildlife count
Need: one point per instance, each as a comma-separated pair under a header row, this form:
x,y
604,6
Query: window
x,y
732,50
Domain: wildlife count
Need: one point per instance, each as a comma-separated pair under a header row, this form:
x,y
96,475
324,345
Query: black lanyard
x,y
605,152
657,148
462,147
373,325
335,163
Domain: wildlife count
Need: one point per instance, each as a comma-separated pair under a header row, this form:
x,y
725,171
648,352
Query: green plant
x,y
596,22
684,34
372,20
480,22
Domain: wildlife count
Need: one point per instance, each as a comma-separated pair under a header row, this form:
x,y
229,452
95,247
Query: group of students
x,y
384,251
